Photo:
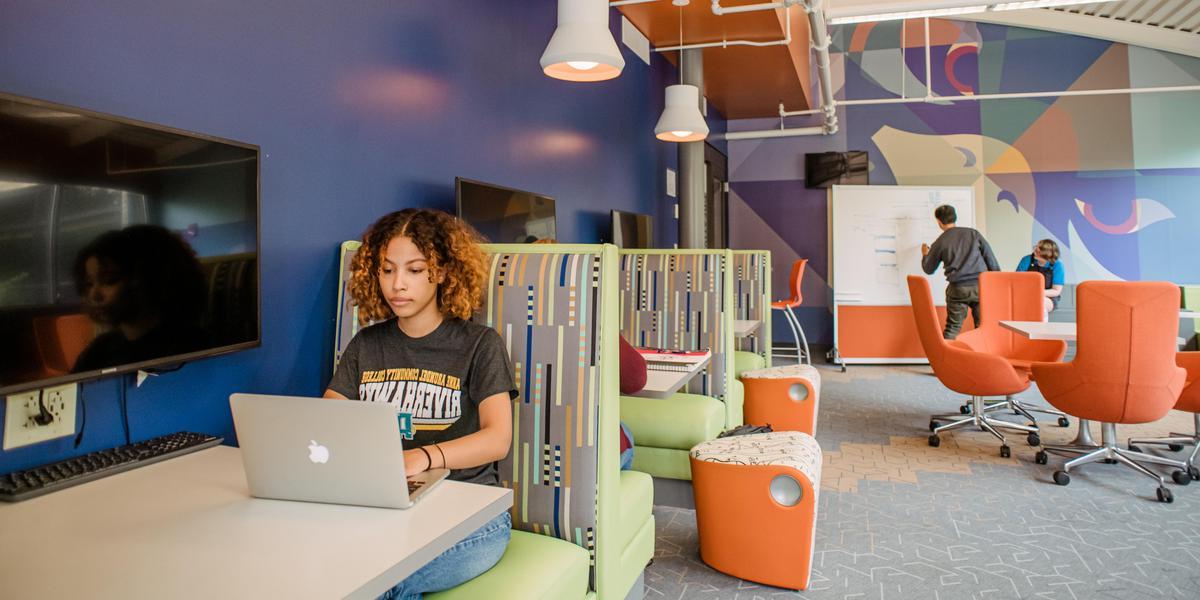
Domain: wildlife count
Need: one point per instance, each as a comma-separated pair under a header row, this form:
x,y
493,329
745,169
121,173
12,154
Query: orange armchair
x,y
1124,370
976,374
1189,401
1013,296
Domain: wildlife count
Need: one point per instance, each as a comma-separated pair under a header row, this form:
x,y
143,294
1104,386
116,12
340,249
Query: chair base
x,y
978,417
797,335
1109,452
1018,407
1175,443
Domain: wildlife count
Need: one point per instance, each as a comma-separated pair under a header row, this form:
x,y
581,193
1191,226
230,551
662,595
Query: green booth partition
x,y
682,300
582,528
752,302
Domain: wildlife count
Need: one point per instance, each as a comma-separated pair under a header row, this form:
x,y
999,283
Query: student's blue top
x,y
1056,270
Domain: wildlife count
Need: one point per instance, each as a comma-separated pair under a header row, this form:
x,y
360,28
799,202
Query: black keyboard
x,y
22,485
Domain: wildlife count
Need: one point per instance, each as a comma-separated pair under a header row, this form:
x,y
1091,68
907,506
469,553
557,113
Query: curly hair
x,y
451,247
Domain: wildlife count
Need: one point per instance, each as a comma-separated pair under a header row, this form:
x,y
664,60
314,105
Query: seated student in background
x,y
1044,260
633,379
425,268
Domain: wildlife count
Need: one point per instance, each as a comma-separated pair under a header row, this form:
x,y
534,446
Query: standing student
x,y
1044,260
426,270
966,254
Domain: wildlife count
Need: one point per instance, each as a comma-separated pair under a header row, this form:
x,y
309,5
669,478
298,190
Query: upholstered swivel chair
x,y
1189,401
1013,296
787,306
1124,370
976,374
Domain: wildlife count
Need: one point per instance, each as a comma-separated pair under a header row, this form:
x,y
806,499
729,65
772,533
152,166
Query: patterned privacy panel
x,y
676,301
545,307
749,282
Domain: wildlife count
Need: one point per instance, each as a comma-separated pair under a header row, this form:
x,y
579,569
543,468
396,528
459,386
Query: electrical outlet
x,y
20,428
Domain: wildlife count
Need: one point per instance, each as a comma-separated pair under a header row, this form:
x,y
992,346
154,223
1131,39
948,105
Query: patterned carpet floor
x,y
898,519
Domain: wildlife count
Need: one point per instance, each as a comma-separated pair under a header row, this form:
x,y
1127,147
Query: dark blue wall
x,y
360,109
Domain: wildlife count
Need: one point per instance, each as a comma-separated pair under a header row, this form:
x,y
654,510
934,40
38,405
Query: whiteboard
x,y
876,237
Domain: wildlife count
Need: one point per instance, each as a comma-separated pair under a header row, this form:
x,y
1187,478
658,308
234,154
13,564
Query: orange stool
x,y
756,505
785,397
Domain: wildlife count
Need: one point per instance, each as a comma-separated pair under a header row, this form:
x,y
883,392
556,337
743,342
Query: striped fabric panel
x,y
545,306
749,275
676,301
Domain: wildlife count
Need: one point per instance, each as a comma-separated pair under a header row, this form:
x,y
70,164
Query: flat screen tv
x,y
505,215
826,169
123,245
632,230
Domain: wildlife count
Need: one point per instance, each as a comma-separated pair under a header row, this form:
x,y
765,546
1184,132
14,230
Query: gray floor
x,y
994,529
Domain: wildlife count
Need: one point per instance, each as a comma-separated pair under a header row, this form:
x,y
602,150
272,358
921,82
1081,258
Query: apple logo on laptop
x,y
317,453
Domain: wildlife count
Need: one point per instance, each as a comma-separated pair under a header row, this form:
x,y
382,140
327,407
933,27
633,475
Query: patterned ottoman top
x,y
808,372
788,448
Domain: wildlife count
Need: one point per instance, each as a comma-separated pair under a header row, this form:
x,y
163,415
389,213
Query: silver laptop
x,y
321,450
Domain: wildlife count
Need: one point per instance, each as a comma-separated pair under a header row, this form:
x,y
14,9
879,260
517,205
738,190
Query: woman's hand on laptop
x,y
415,462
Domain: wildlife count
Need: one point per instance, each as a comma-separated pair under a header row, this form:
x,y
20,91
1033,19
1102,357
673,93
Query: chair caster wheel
x,y
1061,478
935,441
1195,473
1034,440
1005,452
1063,422
1041,457
932,425
1133,448
965,409
1175,447
1165,495
1110,461
1181,477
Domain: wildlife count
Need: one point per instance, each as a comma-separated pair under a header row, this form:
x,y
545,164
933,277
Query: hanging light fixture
x,y
582,47
681,120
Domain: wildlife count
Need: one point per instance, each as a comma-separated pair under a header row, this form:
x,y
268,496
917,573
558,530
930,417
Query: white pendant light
x,y
681,120
582,47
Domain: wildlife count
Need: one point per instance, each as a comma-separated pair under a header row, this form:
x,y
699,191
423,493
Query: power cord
x,y
82,417
44,416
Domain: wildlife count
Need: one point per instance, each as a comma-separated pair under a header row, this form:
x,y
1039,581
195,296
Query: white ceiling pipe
x,y
819,38
769,133
787,39
625,2
719,10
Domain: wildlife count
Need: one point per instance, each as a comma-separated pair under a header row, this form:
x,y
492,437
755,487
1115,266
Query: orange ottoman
x,y
756,505
784,397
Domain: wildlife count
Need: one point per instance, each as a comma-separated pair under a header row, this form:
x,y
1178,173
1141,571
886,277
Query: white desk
x,y
662,384
1189,314
186,528
1040,330
745,328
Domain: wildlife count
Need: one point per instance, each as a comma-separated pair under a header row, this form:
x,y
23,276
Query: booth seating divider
x,y
752,301
683,300
582,528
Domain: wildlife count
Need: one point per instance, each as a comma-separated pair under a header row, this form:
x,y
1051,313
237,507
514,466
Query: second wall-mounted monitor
x,y
826,169
505,215
632,230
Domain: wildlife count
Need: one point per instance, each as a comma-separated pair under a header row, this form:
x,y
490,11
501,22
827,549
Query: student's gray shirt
x,y
965,253
439,379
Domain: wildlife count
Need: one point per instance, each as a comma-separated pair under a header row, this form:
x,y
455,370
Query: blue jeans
x,y
463,562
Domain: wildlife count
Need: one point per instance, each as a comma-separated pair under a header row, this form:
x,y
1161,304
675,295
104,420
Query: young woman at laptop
x,y
425,270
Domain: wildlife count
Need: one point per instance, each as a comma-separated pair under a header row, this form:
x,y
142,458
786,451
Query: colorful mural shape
x,y
1086,171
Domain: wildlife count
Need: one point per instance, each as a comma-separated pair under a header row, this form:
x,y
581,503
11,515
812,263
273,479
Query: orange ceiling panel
x,y
740,81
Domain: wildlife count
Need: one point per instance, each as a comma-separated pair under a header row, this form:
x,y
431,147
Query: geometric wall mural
x,y
1114,179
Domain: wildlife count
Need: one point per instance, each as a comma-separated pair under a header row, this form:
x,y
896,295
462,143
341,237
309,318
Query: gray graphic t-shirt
x,y
439,379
